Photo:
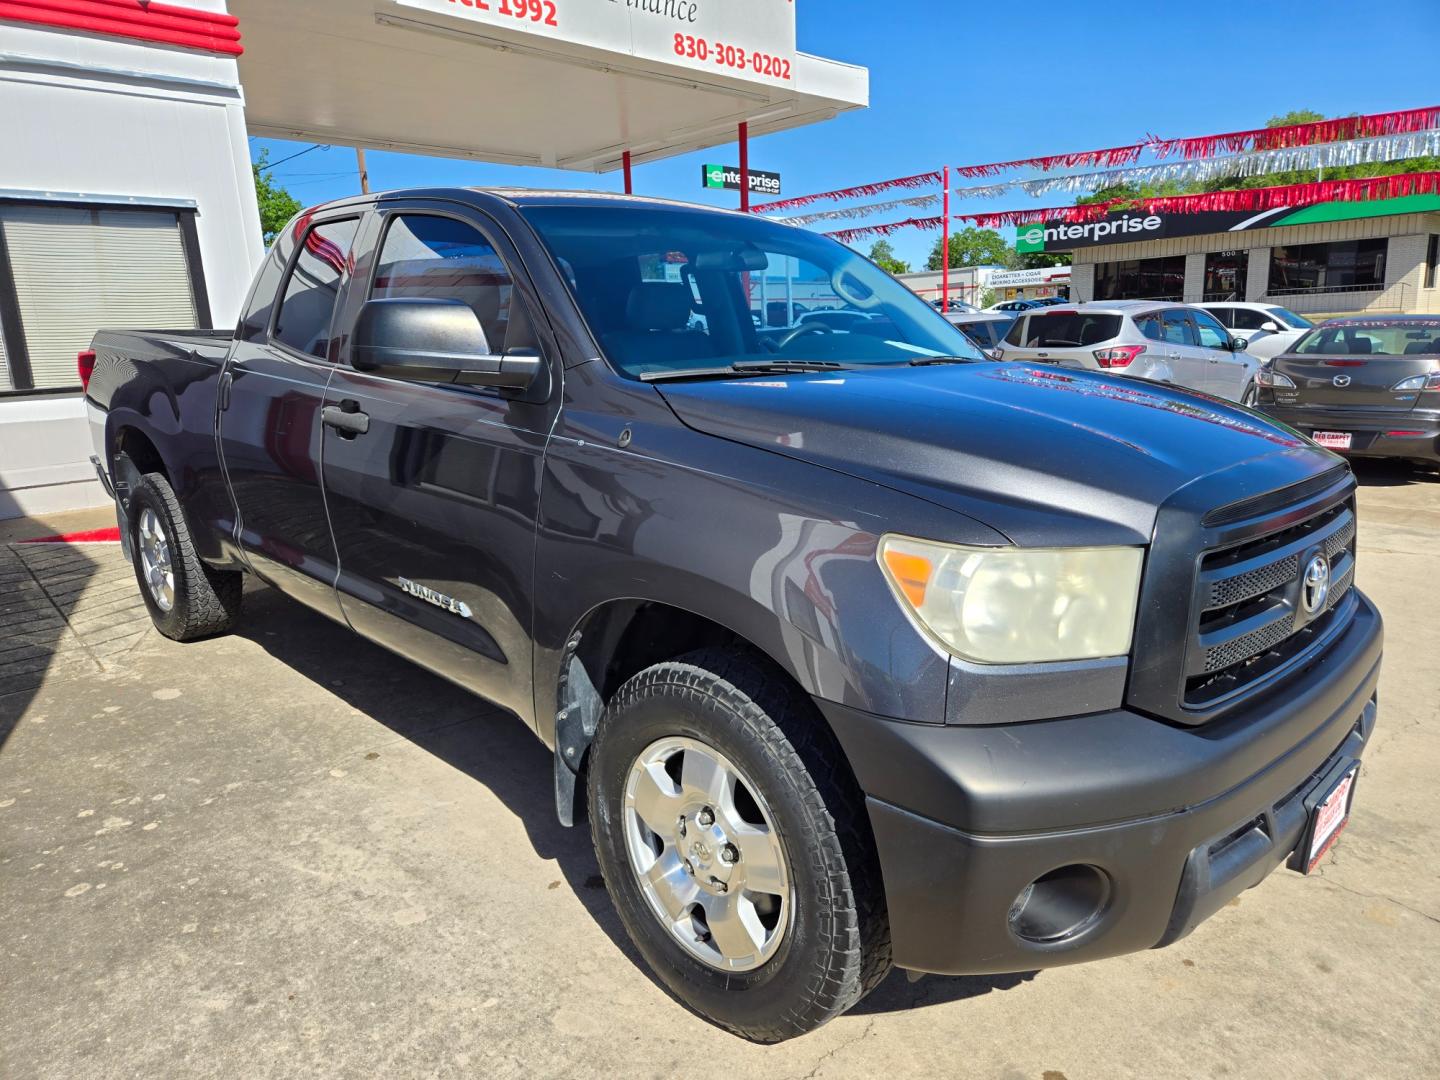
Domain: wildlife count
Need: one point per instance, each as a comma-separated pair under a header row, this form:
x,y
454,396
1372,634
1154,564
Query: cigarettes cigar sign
x,y
741,39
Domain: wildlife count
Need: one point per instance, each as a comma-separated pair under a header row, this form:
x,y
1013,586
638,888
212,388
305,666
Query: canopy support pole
x,y
945,253
629,186
744,167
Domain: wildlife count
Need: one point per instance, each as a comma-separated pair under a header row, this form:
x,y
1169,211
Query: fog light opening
x,y
1060,905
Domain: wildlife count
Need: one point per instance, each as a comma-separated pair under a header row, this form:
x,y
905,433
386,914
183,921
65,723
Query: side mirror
x,y
1270,327
432,340
1238,344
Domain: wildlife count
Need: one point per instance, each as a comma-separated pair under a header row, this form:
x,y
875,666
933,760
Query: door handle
x,y
346,418
225,382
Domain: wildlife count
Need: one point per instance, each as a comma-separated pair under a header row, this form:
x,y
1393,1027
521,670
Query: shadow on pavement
x,y
899,994
1392,472
486,743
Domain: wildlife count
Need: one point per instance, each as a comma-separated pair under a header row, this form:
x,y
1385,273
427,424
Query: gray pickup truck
x,y
857,650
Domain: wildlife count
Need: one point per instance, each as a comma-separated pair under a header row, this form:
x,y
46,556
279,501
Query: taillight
x,y
1419,382
1268,376
1118,356
85,363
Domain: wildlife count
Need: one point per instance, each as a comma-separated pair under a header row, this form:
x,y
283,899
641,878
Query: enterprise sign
x,y
1114,228
727,177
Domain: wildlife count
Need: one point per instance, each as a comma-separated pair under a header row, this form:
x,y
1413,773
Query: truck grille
x,y
1249,620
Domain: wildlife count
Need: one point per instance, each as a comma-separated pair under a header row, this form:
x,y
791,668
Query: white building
x,y
967,283
126,196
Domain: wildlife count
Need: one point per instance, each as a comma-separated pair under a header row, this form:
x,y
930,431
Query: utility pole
x,y
364,172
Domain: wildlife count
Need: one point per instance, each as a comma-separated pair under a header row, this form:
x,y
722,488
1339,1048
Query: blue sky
x,y
957,83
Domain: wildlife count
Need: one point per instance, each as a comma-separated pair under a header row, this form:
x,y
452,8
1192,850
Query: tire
x,y
834,945
195,601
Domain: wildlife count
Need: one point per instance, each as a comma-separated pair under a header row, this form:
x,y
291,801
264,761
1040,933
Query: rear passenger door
x,y
434,506
271,393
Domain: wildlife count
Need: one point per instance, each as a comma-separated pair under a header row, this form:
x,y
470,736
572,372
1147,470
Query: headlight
x,y
1017,605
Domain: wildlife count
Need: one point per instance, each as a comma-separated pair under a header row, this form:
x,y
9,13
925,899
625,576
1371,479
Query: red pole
x,y
945,253
629,189
744,167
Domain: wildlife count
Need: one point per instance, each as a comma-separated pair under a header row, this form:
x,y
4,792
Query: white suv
x,y
1269,328
1166,342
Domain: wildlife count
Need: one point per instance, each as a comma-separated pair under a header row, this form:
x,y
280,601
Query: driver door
x,y
434,503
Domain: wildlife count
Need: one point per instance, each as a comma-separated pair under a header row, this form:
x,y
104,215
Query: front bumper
x,y
1414,435
1177,821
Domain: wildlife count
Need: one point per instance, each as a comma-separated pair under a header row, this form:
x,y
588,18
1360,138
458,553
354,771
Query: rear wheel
x,y
186,598
736,847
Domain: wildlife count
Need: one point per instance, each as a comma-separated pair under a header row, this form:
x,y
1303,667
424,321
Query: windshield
x,y
675,290
1377,337
1297,322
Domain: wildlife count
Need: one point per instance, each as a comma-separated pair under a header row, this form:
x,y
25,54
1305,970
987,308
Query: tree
x,y
883,256
277,206
971,247
1295,116
1033,260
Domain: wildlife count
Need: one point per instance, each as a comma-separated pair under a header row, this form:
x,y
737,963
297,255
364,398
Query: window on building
x,y
1225,273
1341,265
68,270
1141,279
308,302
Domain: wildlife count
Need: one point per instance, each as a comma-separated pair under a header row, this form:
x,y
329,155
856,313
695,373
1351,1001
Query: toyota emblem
x,y
1341,380
1315,585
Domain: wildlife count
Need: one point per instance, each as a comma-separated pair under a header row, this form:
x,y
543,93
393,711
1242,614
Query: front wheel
x,y
736,847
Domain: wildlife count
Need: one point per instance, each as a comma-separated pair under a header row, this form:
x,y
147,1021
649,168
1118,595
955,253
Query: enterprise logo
x,y
1035,237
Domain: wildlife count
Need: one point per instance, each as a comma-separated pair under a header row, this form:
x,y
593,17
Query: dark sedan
x,y
1367,385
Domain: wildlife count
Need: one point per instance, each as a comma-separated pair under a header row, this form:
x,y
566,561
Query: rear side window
x,y
1227,316
1151,327
308,305
1070,329
1245,319
441,258
1017,331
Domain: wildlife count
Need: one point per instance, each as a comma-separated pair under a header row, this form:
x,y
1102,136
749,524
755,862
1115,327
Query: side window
x,y
308,302
439,257
1212,334
1178,328
1226,316
1151,327
1245,319
1017,332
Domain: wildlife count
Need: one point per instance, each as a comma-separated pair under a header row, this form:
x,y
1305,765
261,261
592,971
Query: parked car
x,y
1269,328
1368,386
854,650
986,329
953,307
1164,342
1015,305
1049,301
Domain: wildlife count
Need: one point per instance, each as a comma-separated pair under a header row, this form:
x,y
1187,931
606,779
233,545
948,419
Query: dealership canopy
x,y
571,84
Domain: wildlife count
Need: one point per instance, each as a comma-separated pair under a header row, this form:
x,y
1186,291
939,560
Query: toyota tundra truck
x,y
855,648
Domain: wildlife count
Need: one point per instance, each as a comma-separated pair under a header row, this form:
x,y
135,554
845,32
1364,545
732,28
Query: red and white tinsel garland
x,y
917,181
1364,189
1107,158
1319,131
863,210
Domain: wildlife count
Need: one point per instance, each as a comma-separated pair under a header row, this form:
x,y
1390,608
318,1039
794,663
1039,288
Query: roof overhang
x,y
453,79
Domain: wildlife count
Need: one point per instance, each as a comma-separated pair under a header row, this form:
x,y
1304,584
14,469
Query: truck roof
x,y
524,197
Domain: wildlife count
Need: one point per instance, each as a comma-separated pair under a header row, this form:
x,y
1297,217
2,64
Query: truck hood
x,y
1040,454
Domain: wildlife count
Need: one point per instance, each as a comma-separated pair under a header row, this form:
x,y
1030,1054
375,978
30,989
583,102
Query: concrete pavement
x,y
288,853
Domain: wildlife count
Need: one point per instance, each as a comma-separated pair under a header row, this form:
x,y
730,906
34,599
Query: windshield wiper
x,y
926,361
744,367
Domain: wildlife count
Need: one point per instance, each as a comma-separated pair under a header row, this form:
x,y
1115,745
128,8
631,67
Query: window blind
x,y
79,269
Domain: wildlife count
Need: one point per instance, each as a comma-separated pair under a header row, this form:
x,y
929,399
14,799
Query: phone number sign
x,y
745,39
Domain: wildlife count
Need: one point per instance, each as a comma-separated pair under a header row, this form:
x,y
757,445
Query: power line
x,y
292,157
